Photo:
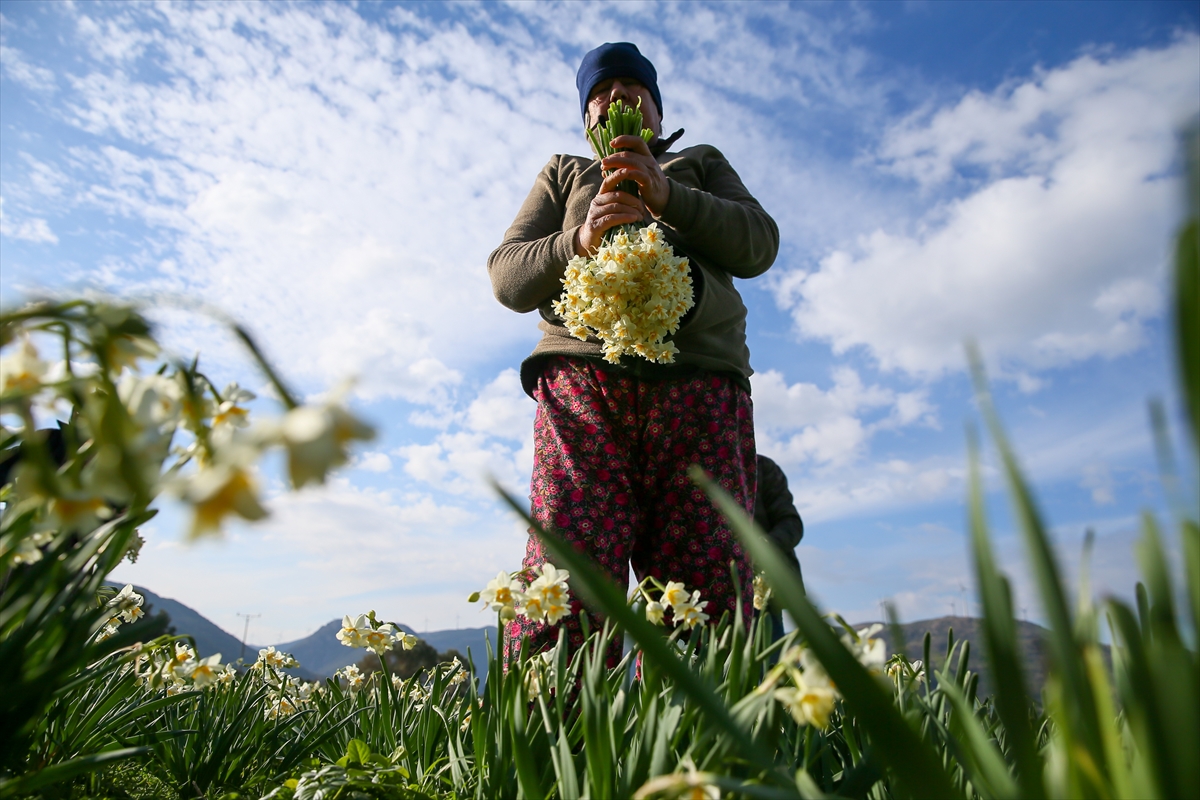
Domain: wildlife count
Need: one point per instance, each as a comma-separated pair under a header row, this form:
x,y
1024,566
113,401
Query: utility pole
x,y
962,589
245,631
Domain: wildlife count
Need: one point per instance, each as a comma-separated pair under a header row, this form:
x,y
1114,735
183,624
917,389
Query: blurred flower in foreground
x,y
316,438
29,548
221,489
229,412
23,371
762,592
870,652
808,703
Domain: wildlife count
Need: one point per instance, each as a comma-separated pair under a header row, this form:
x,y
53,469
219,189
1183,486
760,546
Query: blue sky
x,y
336,175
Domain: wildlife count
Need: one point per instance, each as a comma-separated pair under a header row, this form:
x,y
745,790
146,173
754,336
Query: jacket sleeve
x,y
723,223
784,525
528,266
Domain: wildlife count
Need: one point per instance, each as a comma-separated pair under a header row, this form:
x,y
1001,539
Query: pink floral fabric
x,y
611,454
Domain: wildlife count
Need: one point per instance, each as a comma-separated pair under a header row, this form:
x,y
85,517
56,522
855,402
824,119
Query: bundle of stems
x,y
622,120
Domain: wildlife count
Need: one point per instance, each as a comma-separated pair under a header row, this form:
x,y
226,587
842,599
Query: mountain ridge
x,y
320,653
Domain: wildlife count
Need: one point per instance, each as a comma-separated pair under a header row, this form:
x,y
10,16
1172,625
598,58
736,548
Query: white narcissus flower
x,y
548,597
305,691
183,653
406,640
22,371
108,631
503,594
317,437
227,675
354,677
381,639
691,613
279,705
278,659
814,670
207,671
127,604
354,631
654,612
675,594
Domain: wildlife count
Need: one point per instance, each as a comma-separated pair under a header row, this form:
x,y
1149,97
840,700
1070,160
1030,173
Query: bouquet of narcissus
x,y
634,291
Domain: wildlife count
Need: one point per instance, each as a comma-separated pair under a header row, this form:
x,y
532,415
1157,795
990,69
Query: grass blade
x,y
914,763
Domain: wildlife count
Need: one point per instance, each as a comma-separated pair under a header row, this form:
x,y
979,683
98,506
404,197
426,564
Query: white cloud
x,y
17,68
1053,256
373,462
803,424
31,229
493,438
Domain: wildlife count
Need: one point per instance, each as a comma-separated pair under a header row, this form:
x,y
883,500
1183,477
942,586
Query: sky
x,y
335,176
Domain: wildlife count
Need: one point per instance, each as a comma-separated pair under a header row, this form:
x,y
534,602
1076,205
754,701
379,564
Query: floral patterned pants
x,y
611,454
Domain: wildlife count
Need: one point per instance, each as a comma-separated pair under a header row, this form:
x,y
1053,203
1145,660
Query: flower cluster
x,y
631,295
179,669
125,606
364,631
137,429
355,678
547,597
275,659
812,695
286,695
687,609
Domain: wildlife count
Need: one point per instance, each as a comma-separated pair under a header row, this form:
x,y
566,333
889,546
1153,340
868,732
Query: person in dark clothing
x,y
775,512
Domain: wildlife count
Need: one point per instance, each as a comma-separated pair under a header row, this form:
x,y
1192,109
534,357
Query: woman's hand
x,y
635,163
611,207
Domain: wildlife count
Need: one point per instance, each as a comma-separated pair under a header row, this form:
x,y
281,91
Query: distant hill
x,y
320,653
187,621
1031,642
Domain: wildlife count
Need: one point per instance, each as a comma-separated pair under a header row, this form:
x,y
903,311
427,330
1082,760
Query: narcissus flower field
x,y
92,706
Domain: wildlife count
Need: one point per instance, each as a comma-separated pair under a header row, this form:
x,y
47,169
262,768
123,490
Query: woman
x,y
612,444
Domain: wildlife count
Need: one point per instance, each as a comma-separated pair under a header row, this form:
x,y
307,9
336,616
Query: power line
x,y
245,631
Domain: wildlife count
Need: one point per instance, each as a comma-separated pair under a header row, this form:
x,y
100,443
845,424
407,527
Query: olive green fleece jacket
x,y
710,217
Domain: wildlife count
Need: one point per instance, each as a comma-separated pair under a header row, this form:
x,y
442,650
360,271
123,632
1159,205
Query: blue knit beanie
x,y
615,60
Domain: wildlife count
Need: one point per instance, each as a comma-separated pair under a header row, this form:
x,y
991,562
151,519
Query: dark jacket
x,y
775,512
